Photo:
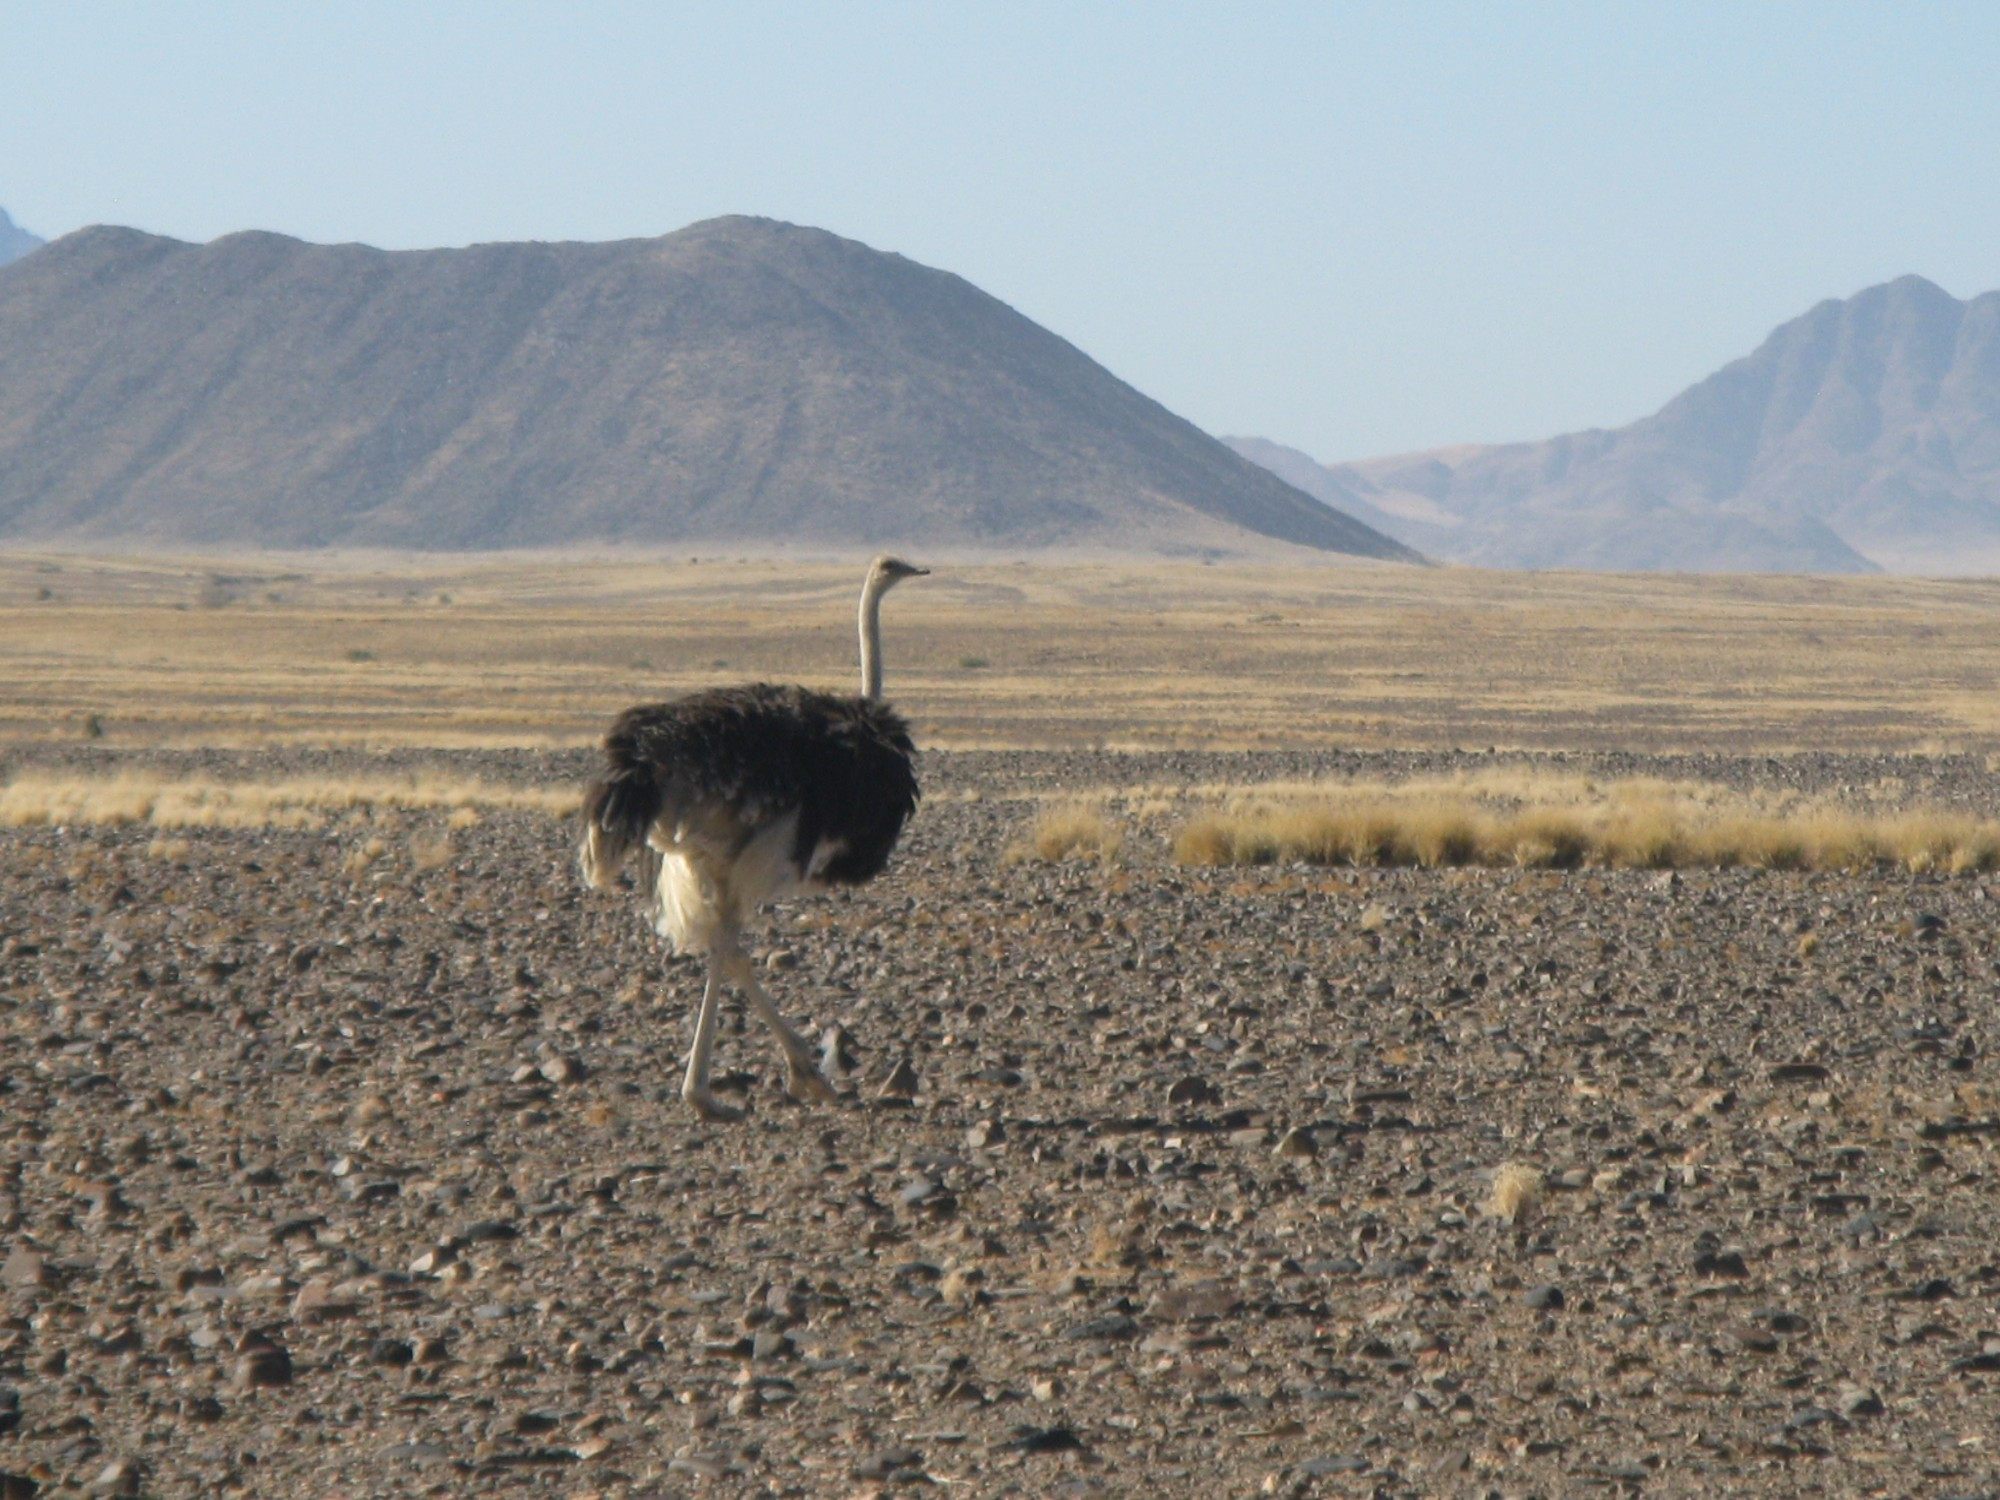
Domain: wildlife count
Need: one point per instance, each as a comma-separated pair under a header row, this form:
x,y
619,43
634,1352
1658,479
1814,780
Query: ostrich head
x,y
886,572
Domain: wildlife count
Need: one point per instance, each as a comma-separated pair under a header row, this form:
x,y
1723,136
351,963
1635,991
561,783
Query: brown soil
x,y
323,1173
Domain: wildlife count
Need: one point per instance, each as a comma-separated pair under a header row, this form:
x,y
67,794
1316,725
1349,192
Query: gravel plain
x,y
328,1173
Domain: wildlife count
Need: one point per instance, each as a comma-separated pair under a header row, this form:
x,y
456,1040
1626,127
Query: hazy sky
x,y
1357,229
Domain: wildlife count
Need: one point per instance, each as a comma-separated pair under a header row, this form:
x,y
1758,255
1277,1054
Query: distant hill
x,y
15,241
1863,435
740,381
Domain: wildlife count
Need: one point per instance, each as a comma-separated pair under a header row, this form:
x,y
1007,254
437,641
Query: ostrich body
x,y
747,795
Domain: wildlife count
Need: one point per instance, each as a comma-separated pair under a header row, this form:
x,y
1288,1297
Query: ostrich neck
x,y
871,640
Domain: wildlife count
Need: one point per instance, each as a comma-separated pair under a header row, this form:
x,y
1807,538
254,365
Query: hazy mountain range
x,y
740,381
1863,435
15,241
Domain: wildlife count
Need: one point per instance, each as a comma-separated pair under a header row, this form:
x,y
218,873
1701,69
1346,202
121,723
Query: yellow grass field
x,y
534,651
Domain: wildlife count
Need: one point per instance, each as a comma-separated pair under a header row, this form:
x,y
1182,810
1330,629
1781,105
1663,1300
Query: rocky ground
x,y
327,1174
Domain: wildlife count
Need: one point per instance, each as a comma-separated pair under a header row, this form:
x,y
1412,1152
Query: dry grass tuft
x,y
1517,1190
38,798
1566,823
1074,832
362,857
430,851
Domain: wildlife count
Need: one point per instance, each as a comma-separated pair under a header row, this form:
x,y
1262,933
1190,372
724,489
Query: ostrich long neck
x,y
871,636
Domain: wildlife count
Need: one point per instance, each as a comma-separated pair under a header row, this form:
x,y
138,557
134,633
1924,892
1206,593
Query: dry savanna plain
x,y
1327,1031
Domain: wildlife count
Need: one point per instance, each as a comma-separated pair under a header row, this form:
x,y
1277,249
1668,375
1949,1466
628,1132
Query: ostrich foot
x,y
804,1084
702,1102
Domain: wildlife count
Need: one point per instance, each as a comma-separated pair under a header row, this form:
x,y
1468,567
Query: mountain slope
x,y
1864,434
740,380
15,241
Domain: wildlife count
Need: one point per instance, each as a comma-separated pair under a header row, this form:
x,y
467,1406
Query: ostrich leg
x,y
694,1087
802,1077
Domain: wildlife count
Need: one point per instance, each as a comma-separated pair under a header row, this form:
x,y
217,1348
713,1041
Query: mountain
x,y
1863,435
15,241
739,381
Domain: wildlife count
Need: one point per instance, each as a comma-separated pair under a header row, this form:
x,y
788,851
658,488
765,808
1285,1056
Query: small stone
x,y
1044,1440
1336,1463
1115,1327
393,1353
1755,1341
888,1463
836,1052
119,1477
260,1362
1193,1090
1857,1401
1199,1300
985,1134
1548,1297
303,1227
560,1069
902,1082
1722,1263
27,1269
317,1302
1296,1142
420,1454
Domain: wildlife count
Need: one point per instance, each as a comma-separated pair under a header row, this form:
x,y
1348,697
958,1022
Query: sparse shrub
x,y
1070,833
36,798
1517,1191
93,727
1567,824
1548,838
430,850
358,653
1205,841
974,663
362,857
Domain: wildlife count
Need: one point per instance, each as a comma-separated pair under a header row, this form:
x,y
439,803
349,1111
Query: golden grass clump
x,y
39,798
1074,832
361,858
1566,823
430,851
1517,1190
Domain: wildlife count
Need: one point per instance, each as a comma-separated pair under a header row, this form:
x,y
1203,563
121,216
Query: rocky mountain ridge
x,y
1863,434
740,381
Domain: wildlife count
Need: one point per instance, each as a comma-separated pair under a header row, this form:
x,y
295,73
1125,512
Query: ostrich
x,y
746,795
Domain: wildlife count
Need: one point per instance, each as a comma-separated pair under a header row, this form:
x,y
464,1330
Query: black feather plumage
x,y
845,765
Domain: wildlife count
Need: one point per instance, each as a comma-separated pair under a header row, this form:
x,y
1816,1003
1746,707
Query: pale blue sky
x,y
1357,229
